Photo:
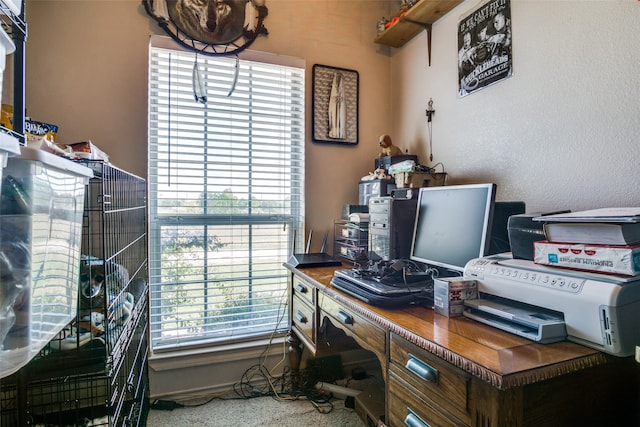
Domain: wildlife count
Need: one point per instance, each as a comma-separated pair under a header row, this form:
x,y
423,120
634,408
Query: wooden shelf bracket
x,y
427,28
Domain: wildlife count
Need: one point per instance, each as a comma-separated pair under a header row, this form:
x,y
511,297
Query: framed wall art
x,y
334,105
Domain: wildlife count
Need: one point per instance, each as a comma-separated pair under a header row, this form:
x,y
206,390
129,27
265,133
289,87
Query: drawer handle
x,y
412,420
421,369
345,318
301,288
301,317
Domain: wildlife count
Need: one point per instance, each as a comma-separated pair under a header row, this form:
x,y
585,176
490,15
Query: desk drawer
x,y
303,290
303,317
364,330
438,381
407,408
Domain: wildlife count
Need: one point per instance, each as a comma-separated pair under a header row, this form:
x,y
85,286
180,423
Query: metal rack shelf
x,y
96,370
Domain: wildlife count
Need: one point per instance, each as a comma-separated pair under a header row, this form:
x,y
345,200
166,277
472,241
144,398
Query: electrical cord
x,y
258,381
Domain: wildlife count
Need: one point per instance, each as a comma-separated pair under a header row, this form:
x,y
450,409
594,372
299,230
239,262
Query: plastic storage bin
x,y
9,146
14,6
42,201
351,240
6,47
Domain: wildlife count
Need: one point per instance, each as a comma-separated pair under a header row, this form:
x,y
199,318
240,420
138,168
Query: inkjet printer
x,y
549,304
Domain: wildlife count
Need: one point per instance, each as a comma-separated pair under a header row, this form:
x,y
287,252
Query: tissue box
x,y
449,294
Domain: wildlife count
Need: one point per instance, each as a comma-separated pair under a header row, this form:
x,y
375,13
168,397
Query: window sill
x,y
170,360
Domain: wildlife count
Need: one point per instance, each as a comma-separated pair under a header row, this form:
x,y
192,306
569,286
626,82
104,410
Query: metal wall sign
x,y
484,46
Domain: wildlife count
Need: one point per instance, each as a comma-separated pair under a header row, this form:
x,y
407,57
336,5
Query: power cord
x,y
257,381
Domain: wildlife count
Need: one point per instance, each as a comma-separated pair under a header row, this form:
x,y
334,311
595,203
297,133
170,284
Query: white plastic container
x,y
9,146
14,6
7,47
40,239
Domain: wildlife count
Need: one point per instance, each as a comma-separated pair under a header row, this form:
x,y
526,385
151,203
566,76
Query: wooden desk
x,y
455,371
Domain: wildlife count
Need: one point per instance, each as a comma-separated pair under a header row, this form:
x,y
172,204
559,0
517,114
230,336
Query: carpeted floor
x,y
264,411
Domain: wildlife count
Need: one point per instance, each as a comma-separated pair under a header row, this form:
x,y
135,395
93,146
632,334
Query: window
x,y
226,196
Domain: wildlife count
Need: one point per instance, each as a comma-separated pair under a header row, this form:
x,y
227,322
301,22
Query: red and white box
x,y
623,260
449,294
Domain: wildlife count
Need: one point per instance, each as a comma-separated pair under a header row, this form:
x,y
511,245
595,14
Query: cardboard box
x,y
419,179
623,260
449,294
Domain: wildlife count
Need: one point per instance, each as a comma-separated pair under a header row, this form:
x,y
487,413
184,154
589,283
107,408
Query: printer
x,y
548,304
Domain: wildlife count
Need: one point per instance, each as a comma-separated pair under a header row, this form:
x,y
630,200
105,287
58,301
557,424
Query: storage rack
x,y
102,379
351,240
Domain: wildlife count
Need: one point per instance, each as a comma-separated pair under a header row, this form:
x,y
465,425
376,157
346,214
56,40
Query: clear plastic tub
x,y
6,47
14,6
42,202
9,146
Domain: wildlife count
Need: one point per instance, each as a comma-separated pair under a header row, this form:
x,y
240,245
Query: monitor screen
x,y
453,224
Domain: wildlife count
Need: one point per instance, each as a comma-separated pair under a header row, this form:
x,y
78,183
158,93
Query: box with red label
x,y
449,294
623,260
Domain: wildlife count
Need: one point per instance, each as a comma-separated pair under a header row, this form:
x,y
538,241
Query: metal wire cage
x,y
95,371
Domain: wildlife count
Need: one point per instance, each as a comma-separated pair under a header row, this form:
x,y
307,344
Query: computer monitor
x,y
453,225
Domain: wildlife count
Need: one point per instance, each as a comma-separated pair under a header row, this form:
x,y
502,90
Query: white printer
x,y
548,304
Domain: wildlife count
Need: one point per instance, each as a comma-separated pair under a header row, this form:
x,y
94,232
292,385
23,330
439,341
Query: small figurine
x,y
387,147
381,24
376,174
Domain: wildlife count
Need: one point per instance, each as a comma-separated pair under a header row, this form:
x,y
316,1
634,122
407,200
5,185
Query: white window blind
x,y
226,197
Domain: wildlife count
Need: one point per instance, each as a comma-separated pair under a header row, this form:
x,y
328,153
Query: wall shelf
x,y
418,18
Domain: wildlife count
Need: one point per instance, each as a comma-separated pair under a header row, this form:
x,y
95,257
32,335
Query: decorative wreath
x,y
210,27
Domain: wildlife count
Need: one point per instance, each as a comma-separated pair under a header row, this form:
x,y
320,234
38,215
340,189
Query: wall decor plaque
x,y
335,105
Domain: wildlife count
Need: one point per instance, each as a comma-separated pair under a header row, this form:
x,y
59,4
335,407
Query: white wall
x,y
562,132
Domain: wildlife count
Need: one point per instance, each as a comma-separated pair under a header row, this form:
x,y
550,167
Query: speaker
x,y
499,241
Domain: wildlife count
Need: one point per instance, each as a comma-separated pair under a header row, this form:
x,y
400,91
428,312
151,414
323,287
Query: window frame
x,y
294,222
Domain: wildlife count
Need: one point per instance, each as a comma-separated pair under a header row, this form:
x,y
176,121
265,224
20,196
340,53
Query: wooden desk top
x,y
504,360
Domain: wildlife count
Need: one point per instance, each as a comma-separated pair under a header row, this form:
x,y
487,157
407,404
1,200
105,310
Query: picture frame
x,y
335,93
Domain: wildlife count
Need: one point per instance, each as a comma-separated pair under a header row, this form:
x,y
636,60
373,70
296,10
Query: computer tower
x,y
391,223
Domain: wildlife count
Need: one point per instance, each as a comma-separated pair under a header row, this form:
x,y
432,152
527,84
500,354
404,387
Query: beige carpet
x,y
256,412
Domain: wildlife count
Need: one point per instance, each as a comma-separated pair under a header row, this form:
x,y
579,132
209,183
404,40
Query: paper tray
x,y
534,323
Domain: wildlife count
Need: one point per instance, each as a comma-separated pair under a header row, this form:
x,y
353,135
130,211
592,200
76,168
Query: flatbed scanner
x,y
599,311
